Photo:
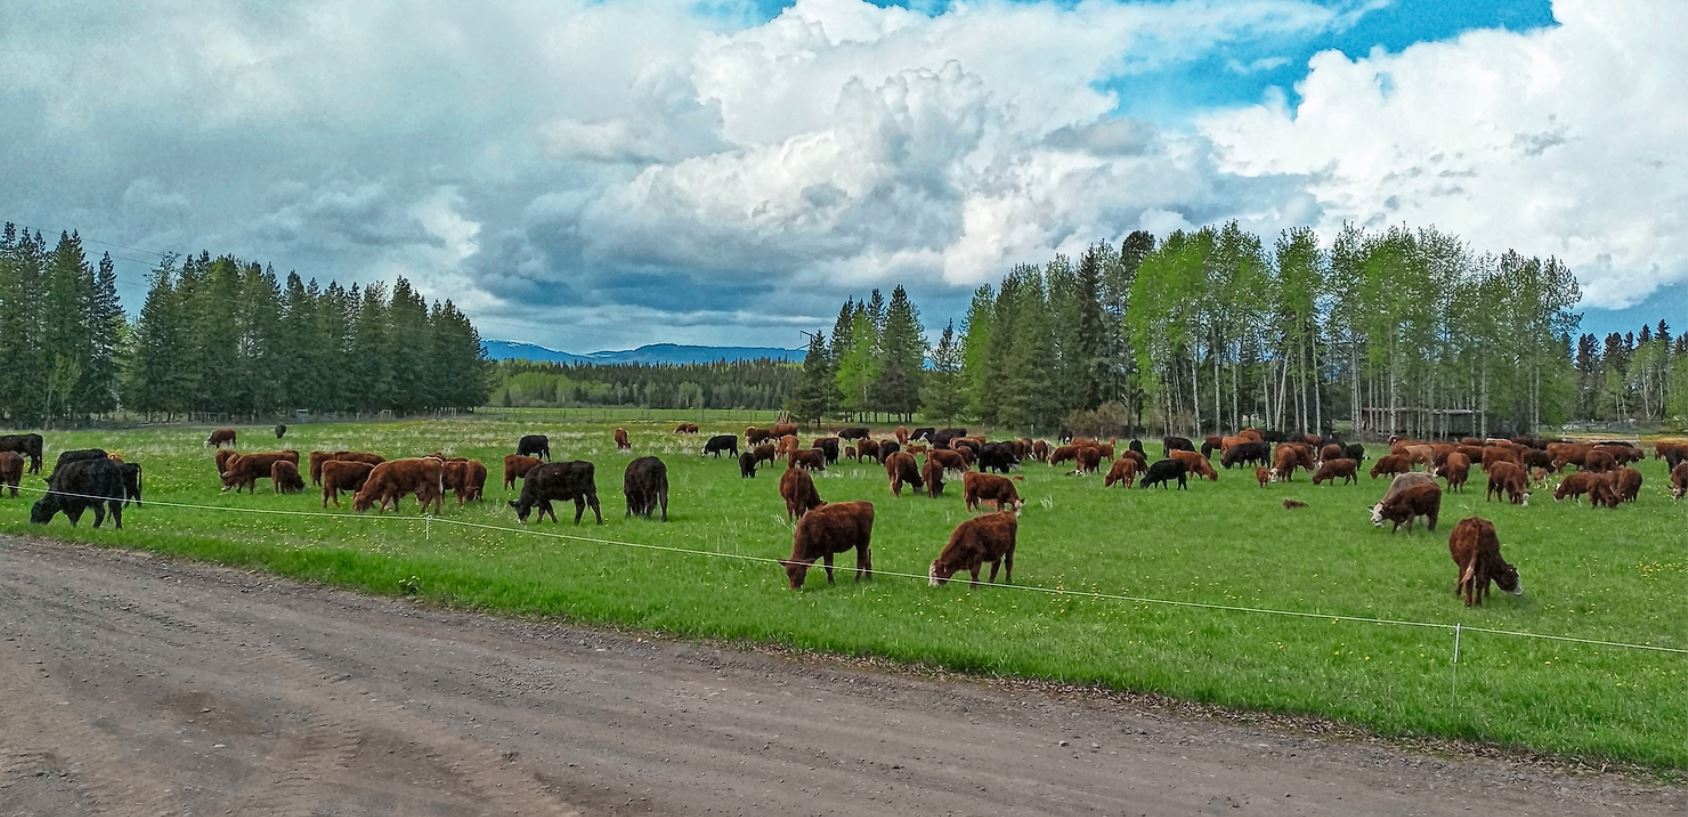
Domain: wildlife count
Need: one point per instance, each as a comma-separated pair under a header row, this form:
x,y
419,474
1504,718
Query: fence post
x,y
1456,660
428,530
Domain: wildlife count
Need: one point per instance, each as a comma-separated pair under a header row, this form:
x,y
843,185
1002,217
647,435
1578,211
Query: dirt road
x,y
132,685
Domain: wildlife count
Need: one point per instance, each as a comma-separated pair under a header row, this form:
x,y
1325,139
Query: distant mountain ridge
x,y
654,353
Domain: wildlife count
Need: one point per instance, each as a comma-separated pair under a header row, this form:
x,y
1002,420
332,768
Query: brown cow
x,y
621,443
754,435
867,449
1507,479
1424,455
1088,459
1495,454
989,538
517,467
1251,435
1456,469
789,445
1264,476
223,457
1678,481
809,459
11,471
1123,470
1333,451
1599,461
460,477
766,452
1196,464
1476,553
285,479
902,435
317,458
783,429
244,470
1627,482
901,467
932,473
1040,451
220,436
1602,492
977,488
1420,500
686,428
1568,454
341,475
1287,457
830,529
1333,470
1391,464
391,480
1573,486
1063,454
797,488
1665,449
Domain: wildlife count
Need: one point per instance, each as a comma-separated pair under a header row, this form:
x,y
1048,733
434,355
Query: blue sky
x,y
592,174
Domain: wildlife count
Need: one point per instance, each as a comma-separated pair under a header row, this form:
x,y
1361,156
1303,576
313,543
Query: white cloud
x,y
1566,140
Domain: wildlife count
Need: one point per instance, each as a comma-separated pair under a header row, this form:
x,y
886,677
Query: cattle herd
x,y
920,460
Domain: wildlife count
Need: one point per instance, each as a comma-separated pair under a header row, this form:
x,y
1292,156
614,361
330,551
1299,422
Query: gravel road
x,y
133,685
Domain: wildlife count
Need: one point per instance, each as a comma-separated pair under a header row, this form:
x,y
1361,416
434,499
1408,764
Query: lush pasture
x,y
1603,575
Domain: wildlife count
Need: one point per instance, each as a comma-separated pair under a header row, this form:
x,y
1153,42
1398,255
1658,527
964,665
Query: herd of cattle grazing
x,y
921,460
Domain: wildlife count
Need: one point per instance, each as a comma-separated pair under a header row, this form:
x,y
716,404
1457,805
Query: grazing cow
x,y
1455,468
1164,472
28,445
320,457
746,465
867,449
1088,459
621,443
1331,452
558,481
924,433
1123,471
317,458
517,467
1196,464
789,445
797,488
900,467
686,428
1040,451
645,484
1212,443
534,445
458,475
766,452
1603,492
388,482
901,434
809,459
998,457
754,435
280,430
887,448
220,436
1263,476
244,470
782,429
942,437
828,446
1404,508
1476,553
1391,464
1419,455
11,471
720,443
829,530
1507,479
1573,486
223,457
1627,482
948,460
854,433
1678,481
1355,452
342,475
1294,504
1332,470
78,485
978,488
1064,453
474,481
1288,457
1171,444
973,543
285,479
1599,461
1250,453
132,481
1402,482
77,455
932,473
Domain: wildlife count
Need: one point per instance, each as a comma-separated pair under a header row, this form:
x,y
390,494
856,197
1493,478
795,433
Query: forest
x,y
218,337
760,385
1393,331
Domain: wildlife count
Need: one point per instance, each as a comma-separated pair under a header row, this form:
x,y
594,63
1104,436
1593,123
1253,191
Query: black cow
x,y
1065,435
829,446
941,438
923,434
28,445
76,455
559,481
886,449
131,481
997,457
646,486
280,430
1136,445
721,442
856,433
1355,452
1163,472
746,465
1171,444
534,445
1248,454
78,485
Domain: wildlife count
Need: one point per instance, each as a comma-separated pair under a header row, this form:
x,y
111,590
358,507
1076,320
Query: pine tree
x,y
942,398
66,311
902,356
975,347
858,367
813,395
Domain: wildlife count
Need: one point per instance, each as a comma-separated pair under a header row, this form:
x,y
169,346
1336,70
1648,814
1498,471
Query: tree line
x,y
759,385
1391,331
219,337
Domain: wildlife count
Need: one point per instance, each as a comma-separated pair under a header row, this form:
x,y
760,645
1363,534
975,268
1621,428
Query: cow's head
x,y
42,511
1526,499
939,573
795,572
522,509
1377,515
228,481
1506,578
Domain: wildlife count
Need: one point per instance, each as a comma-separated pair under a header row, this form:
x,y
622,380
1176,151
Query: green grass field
x,y
1603,575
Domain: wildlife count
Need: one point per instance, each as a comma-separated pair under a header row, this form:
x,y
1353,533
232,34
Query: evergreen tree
x,y
858,367
902,355
943,398
975,345
813,395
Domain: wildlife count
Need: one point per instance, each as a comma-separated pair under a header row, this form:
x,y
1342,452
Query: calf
x,y
1171,444
1040,451
1288,457
388,482
621,443
1476,553
220,436
11,471
1196,464
244,470
754,435
1455,468
1064,453
79,485
1164,472
828,530
280,430
1391,464
1088,459
1335,469
1678,481
517,466
797,488
999,457
932,473
1263,476
1507,479
27,445
1627,482
720,443
1573,486
989,538
978,488
558,481
686,428
867,449
1294,504
900,467
341,475
474,481
1250,453
1419,500
766,452
645,484
829,447
285,479
809,459
534,445
1123,472
746,465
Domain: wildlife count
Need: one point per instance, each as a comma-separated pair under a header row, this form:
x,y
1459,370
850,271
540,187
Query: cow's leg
x,y
828,560
995,565
864,562
596,511
975,571
663,498
99,513
579,508
117,514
